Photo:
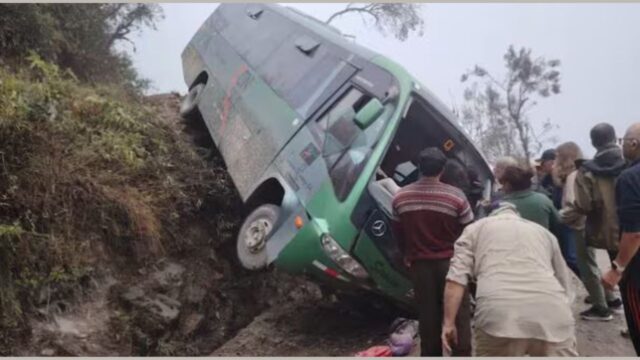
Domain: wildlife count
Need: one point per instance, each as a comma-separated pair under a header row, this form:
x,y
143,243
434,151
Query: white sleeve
x,y
463,260
569,195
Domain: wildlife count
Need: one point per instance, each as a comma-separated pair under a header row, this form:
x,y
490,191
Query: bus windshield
x,y
346,147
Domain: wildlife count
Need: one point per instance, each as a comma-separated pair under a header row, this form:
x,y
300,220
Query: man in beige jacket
x,y
524,288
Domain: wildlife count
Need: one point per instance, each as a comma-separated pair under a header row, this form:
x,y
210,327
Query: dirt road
x,y
599,338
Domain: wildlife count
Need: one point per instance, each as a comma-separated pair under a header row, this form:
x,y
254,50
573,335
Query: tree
x,y
78,37
398,18
496,111
126,18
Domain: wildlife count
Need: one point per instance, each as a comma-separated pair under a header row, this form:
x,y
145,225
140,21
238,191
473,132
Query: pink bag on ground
x,y
375,351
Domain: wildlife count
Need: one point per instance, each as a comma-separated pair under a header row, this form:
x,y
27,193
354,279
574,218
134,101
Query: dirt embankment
x,y
185,299
116,236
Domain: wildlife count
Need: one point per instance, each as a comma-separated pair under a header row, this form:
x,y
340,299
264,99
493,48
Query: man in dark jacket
x,y
626,266
595,198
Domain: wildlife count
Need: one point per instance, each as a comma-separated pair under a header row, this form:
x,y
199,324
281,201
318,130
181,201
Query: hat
x,y
549,154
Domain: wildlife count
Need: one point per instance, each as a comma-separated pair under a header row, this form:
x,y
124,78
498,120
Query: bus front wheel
x,y
254,234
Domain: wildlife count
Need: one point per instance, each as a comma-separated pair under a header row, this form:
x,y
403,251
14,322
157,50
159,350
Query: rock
x,y
194,294
152,304
68,348
170,276
44,295
191,324
43,312
141,343
156,313
132,294
166,308
48,352
217,275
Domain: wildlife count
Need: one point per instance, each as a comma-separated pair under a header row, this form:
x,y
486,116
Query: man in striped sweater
x,y
429,217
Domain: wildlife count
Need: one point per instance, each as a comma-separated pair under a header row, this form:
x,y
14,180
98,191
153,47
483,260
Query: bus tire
x,y
254,234
189,107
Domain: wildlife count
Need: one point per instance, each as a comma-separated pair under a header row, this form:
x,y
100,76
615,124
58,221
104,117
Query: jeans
x,y
567,240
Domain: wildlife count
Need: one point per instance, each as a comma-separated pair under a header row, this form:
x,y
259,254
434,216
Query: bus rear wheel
x,y
189,107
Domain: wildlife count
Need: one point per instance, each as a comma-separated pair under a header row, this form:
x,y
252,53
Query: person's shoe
x,y
615,305
625,333
595,314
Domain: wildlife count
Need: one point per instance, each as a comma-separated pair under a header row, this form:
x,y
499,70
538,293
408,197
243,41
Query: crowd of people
x,y
545,220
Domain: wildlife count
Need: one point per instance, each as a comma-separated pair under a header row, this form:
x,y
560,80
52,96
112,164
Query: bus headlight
x,y
342,258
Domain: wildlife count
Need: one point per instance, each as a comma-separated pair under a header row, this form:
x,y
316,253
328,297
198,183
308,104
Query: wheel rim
x,y
255,236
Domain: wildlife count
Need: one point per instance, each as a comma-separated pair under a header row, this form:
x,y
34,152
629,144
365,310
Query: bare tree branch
x,y
401,19
498,118
346,11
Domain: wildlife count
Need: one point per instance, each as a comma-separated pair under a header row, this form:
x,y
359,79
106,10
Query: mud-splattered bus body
x,y
316,133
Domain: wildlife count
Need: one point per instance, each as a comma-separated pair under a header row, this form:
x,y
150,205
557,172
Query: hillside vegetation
x,y
82,38
92,176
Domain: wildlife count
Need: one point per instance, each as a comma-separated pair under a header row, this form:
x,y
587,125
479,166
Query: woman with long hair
x,y
564,170
563,175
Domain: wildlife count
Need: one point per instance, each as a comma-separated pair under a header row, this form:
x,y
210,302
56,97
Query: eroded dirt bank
x,y
181,292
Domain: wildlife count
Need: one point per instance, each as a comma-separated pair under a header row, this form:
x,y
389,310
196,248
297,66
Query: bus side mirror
x,y
369,113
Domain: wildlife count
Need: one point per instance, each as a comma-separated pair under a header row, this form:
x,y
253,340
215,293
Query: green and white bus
x,y
317,133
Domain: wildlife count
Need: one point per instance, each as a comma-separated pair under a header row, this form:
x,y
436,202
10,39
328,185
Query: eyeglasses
x,y
622,140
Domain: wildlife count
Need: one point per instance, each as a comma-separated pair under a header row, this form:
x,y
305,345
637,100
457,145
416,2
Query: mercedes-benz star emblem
x,y
378,228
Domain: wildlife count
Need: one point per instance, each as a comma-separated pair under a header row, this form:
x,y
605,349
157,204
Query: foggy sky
x,y
598,45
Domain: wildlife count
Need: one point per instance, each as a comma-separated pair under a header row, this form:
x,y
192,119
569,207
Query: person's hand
x,y
610,279
563,212
449,336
